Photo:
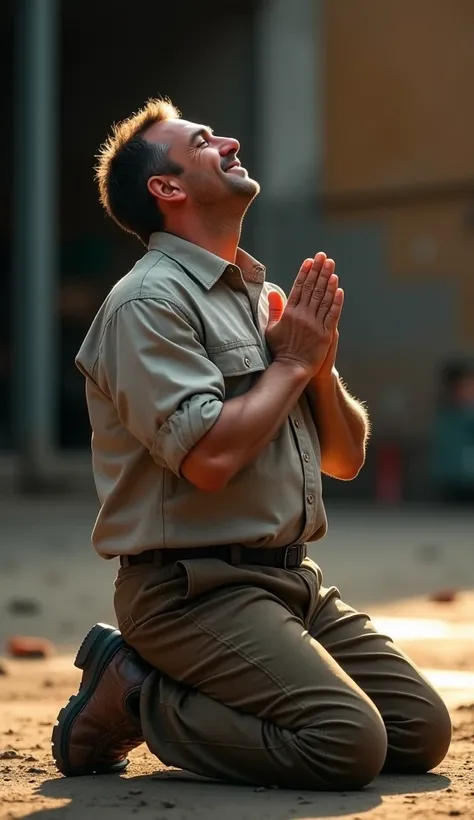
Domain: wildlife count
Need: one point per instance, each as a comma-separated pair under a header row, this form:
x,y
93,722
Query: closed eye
x,y
203,133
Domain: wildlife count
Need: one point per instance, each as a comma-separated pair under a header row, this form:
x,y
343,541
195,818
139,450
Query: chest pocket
x,y
240,364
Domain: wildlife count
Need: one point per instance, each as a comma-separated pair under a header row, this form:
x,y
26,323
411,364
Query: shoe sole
x,y
94,655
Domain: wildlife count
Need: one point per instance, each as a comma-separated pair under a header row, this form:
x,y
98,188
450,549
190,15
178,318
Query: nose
x,y
228,145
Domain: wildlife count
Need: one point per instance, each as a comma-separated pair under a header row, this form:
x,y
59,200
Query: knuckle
x,y
318,292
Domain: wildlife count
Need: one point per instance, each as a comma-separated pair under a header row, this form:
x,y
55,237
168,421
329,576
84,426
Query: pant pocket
x,y
207,574
313,577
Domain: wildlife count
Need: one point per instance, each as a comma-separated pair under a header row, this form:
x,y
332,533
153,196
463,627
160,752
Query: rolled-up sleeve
x,y
166,390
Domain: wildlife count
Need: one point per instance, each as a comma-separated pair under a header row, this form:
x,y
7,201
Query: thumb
x,y
276,306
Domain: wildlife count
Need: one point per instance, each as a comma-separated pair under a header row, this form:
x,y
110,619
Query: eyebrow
x,y
202,131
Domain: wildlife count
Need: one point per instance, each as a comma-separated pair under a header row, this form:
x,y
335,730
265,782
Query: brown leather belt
x,y
282,557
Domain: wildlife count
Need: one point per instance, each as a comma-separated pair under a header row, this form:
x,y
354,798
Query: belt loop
x,y
235,554
294,556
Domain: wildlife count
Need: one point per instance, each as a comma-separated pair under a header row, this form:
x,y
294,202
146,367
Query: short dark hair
x,y
126,161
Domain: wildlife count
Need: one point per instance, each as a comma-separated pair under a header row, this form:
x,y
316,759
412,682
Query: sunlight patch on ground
x,y
456,687
419,629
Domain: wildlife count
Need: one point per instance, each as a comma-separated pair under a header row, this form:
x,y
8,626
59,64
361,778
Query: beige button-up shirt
x,y
176,337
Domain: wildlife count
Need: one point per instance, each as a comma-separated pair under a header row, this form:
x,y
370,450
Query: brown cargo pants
x,y
265,677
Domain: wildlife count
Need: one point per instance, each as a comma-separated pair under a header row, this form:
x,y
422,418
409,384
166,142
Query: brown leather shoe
x,y
99,726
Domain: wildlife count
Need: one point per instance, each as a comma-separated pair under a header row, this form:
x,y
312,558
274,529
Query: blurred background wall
x,y
357,118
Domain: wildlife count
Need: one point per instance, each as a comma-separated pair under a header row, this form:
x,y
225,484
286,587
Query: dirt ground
x,y
32,692
53,585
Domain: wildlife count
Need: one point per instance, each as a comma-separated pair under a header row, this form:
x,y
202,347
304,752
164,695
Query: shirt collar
x,y
206,267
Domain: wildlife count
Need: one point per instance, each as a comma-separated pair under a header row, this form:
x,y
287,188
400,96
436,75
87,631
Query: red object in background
x,y
19,646
388,480
444,596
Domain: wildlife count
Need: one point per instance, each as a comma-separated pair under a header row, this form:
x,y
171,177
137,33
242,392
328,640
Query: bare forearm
x,y
245,426
343,427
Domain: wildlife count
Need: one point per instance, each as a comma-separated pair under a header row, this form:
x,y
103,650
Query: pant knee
x,y
420,741
350,751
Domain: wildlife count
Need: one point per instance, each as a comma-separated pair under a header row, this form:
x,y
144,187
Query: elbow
x,y
349,472
208,475
209,481
344,469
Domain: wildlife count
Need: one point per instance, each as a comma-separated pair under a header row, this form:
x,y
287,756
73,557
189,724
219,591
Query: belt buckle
x,y
293,556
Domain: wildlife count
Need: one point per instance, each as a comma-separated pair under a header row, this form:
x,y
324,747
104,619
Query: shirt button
x,y
247,362
306,457
310,499
297,424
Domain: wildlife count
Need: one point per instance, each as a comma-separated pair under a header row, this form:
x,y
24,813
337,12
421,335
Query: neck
x,y
220,239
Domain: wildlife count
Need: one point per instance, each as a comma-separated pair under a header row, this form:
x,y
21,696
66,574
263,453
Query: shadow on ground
x,y
169,795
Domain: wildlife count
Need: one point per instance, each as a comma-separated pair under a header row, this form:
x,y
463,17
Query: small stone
x,y
35,770
10,754
135,791
31,759
9,732
168,804
23,606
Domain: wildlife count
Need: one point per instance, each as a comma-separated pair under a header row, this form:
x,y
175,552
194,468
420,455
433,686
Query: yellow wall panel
x,y
399,93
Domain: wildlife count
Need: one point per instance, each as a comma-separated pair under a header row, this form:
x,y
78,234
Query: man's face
x,y
212,173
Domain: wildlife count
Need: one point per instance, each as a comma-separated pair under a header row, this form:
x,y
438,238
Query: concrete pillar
x,y
289,133
35,237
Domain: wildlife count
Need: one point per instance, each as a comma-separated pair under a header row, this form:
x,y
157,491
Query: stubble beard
x,y
229,203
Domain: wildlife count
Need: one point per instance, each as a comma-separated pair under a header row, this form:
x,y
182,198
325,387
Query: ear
x,y
166,188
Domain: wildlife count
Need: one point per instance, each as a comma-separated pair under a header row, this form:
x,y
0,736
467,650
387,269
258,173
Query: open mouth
x,y
235,166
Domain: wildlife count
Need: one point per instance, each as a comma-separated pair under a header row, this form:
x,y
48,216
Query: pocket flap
x,y
237,361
